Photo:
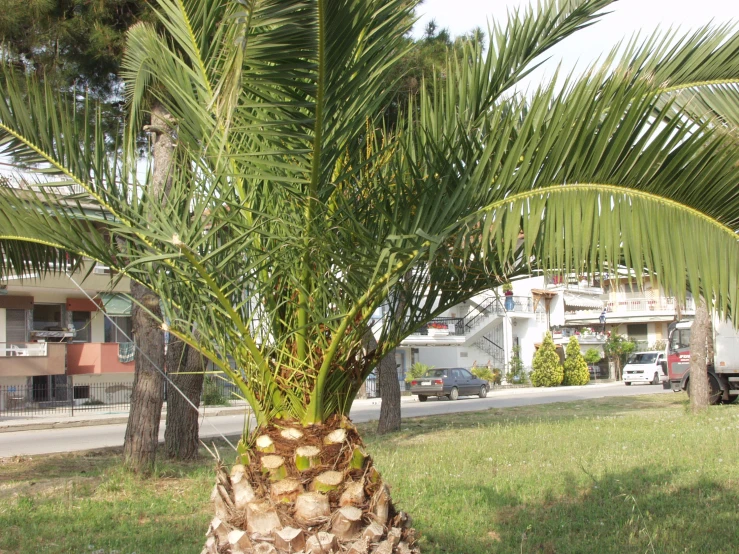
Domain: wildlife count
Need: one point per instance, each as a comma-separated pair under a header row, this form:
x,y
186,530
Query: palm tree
x,y
292,215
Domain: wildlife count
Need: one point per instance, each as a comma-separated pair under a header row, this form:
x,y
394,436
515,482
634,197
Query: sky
x,y
627,18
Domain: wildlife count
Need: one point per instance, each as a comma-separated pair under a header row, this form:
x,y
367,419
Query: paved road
x,y
99,436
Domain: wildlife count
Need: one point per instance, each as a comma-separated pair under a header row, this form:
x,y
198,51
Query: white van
x,y
645,367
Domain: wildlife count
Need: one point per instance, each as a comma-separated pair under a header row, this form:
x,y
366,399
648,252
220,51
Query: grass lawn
x,y
617,475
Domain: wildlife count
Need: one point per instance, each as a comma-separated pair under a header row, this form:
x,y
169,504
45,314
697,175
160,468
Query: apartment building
x,y
485,329
51,333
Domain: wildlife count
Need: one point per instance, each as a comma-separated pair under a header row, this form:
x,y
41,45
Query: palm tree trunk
x,y
390,394
142,431
698,357
306,489
181,434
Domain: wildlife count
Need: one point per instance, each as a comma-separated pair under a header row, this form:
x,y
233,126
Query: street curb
x,y
45,425
235,410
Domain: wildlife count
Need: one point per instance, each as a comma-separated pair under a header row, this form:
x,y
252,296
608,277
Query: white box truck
x,y
723,370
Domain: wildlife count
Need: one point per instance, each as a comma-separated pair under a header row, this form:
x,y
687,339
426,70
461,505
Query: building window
x,y
47,317
81,322
81,392
121,331
15,326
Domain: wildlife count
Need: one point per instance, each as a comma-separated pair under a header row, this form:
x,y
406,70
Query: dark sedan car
x,y
450,382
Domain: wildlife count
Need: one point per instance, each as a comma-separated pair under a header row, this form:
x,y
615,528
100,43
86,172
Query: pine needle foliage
x,y
294,212
575,367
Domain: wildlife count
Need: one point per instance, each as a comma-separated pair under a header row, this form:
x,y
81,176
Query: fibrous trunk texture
x,y
390,394
698,358
275,502
181,434
147,397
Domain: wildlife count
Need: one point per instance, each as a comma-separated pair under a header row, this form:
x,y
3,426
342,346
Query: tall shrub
x,y
516,371
575,366
592,356
547,369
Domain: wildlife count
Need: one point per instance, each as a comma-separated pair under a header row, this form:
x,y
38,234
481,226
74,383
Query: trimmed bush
x,y
575,367
487,374
547,370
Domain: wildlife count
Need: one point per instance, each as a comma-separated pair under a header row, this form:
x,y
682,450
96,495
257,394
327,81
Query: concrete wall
x,y
13,381
106,388
97,327
102,379
438,357
95,358
25,366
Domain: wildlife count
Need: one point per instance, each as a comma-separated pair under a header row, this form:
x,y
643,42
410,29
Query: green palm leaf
x,y
292,214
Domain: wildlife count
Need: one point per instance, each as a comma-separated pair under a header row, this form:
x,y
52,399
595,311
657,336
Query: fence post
x,y
71,394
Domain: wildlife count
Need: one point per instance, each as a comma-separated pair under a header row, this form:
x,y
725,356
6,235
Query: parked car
x,y
450,382
646,367
597,371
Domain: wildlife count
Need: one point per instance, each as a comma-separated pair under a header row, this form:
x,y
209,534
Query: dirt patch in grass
x,y
19,468
47,487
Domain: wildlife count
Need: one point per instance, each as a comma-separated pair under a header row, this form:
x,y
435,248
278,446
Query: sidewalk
x,y
9,424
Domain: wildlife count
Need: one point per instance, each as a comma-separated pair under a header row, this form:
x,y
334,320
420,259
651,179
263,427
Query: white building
x,y
484,330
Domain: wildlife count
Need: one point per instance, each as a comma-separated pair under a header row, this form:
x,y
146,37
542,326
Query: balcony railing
x,y
459,326
23,349
26,359
641,304
442,326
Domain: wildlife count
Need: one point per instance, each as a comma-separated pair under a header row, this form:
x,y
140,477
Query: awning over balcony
x,y
582,302
116,304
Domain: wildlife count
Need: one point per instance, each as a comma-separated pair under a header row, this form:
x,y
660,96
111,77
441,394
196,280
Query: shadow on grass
x,y
74,503
641,511
96,462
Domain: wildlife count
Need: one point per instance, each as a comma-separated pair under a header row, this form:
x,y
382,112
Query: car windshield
x,y
436,373
643,358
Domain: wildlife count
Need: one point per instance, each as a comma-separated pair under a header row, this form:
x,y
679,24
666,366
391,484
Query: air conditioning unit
x,y
101,270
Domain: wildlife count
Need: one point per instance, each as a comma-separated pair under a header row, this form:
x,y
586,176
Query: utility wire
x,y
166,377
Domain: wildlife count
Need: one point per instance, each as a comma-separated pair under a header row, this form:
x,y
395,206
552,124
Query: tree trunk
x,y
698,359
142,431
390,395
147,397
306,489
181,436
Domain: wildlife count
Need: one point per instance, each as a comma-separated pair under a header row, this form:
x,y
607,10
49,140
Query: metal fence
x,y
372,386
52,396
49,397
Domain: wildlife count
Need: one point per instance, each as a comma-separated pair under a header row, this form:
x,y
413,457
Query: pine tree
x,y
575,366
72,43
547,369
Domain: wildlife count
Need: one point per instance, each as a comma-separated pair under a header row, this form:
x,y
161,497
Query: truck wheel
x,y
714,391
627,383
454,394
655,381
731,399
422,398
